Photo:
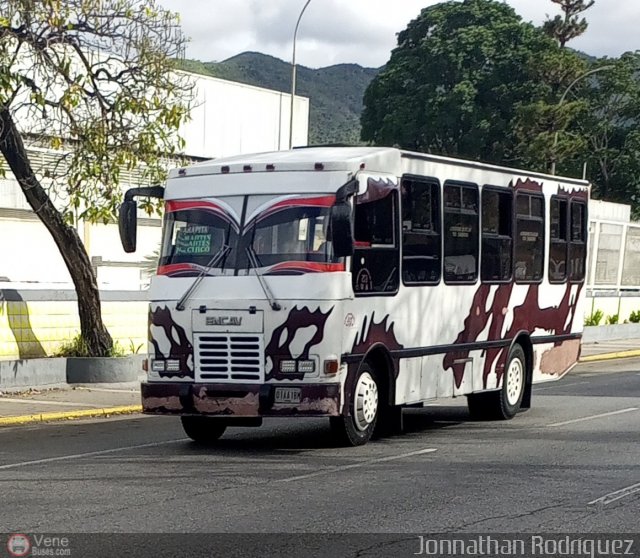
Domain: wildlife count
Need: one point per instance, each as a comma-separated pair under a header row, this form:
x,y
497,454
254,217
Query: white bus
x,y
348,282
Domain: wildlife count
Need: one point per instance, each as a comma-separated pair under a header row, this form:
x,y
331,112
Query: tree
x,y
454,82
611,130
92,80
568,26
540,126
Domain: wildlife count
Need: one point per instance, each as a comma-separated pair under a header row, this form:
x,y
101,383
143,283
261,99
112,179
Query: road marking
x,y
592,417
88,454
610,356
108,390
69,415
45,402
617,495
357,465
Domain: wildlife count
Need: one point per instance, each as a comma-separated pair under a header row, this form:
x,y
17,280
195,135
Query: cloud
x,y
360,31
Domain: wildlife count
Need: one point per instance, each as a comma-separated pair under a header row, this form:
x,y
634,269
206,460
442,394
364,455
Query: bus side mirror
x,y
128,216
127,225
341,229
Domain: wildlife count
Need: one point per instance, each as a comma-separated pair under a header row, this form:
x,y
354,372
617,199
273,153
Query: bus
x,y
350,282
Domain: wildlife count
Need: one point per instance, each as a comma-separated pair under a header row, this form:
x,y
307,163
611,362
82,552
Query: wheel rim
x,y
515,381
366,401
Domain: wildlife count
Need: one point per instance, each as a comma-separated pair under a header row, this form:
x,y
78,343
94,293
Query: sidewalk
x,y
97,400
104,400
608,350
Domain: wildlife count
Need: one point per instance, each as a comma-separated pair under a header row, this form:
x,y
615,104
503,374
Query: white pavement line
x,y
88,454
617,495
630,409
109,390
356,465
558,386
45,402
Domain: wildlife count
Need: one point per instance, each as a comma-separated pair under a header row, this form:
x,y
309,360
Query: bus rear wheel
x,y
357,428
203,430
504,403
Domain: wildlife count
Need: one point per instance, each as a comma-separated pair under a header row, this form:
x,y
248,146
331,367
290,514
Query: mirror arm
x,y
346,191
146,191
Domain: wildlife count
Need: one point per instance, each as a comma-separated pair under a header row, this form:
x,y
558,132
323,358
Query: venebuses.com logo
x,y
18,545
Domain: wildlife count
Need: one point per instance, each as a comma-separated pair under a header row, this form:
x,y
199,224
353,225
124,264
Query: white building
x,y
228,118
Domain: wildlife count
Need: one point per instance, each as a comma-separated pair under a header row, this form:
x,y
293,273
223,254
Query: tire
x,y
504,403
357,428
203,430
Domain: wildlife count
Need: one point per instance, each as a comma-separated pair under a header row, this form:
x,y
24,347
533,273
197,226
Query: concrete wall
x,y
34,323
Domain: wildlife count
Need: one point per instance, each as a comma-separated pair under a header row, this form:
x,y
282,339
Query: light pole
x,y
564,95
293,74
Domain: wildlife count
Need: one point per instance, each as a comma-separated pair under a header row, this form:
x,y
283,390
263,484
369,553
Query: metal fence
x,y
614,256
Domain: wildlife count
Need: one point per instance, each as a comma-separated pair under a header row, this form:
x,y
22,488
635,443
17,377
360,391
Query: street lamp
x,y
564,95
293,75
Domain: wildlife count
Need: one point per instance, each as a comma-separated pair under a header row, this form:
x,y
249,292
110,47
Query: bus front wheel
x,y
203,430
356,428
504,403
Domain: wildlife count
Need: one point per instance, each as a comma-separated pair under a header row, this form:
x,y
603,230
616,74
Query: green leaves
x,y
453,84
100,75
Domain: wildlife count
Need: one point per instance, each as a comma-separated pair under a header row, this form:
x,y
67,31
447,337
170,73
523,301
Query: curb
x,y
610,356
70,415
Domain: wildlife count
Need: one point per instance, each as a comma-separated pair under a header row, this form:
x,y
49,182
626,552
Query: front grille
x,y
229,358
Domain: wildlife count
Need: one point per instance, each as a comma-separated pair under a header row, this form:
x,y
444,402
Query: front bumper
x,y
238,400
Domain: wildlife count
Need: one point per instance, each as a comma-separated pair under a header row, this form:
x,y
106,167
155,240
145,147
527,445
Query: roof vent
x,y
225,169
246,168
271,167
318,166
182,172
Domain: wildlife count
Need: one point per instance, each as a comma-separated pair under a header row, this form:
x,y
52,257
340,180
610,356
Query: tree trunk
x,y
93,331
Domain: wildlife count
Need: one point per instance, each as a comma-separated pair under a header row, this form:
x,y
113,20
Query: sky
x,y
361,31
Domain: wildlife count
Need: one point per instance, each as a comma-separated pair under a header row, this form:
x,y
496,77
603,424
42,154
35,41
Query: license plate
x,y
287,395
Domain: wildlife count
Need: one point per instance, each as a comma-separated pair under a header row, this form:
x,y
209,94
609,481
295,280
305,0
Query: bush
x,y
594,319
78,348
613,319
634,317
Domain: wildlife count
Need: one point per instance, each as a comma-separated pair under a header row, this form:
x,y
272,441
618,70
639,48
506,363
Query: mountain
x,y
335,92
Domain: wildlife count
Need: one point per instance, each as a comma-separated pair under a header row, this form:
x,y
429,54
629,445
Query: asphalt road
x,y
570,464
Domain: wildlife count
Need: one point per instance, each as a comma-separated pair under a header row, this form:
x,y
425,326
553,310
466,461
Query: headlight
x,y
287,366
306,366
158,365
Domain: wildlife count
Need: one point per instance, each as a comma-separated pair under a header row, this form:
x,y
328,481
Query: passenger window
x,y
578,245
375,265
421,246
497,235
460,233
529,242
558,243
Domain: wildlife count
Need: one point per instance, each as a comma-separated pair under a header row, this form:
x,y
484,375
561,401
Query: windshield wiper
x,y
211,263
253,260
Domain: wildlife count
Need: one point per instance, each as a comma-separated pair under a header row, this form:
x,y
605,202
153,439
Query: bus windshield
x,y
288,237
291,240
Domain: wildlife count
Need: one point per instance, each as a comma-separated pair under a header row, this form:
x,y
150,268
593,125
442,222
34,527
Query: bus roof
x,y
350,159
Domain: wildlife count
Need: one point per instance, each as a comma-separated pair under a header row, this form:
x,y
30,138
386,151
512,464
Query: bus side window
x,y
578,245
529,249
461,215
421,246
497,235
374,265
558,242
